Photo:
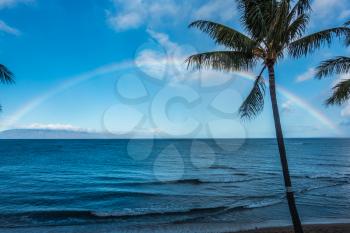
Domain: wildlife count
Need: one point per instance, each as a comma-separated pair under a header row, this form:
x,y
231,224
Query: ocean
x,y
173,185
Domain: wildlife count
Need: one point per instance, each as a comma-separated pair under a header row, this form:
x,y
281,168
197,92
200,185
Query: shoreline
x,y
308,228
336,226
286,225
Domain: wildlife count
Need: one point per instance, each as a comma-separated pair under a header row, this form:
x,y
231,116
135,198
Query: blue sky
x,y
118,66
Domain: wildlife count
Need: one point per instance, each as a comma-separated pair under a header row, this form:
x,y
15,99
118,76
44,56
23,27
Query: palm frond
x,y
6,76
254,103
225,35
341,93
297,27
310,43
279,24
337,65
256,16
347,40
222,60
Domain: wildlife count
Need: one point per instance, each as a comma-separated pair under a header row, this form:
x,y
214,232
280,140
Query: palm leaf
x,y
277,35
222,60
337,65
256,16
341,93
254,103
297,27
224,35
347,40
310,43
6,76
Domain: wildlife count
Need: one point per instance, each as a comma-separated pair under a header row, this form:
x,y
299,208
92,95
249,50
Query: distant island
x,y
54,134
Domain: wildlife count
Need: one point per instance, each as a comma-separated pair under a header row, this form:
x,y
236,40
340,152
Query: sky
x,y
118,66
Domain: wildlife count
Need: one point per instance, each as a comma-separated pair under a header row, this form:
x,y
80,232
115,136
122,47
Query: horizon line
x,y
150,138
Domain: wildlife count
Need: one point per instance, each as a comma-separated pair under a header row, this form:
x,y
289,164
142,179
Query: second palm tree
x,y
6,76
337,65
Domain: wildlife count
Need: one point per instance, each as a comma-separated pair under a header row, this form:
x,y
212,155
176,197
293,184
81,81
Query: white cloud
x,y
345,112
213,78
222,9
54,127
6,4
135,13
169,62
344,14
168,58
287,106
7,29
163,39
340,78
309,74
12,3
324,10
125,21
152,62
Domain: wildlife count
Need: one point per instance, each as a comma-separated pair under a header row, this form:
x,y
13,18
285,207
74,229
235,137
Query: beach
x,y
182,228
318,228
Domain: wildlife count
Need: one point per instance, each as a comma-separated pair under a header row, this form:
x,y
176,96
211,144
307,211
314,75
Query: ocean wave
x,y
308,189
335,176
333,165
228,179
156,182
328,176
263,203
220,167
297,143
193,181
47,215
147,212
270,173
238,177
71,215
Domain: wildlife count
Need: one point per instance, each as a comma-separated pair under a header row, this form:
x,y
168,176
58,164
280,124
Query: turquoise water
x,y
141,184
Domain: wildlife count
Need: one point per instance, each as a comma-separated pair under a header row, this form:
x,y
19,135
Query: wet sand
x,y
177,228
319,228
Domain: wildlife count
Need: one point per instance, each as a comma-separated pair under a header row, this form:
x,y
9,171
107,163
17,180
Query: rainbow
x,y
317,114
114,67
68,83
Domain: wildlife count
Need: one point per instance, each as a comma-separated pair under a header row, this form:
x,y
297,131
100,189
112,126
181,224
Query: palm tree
x,y
6,76
337,65
274,29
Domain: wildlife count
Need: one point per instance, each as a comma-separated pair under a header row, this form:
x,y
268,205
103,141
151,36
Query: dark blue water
x,y
142,183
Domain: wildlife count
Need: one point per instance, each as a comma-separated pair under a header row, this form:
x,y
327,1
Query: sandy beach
x,y
188,228
318,228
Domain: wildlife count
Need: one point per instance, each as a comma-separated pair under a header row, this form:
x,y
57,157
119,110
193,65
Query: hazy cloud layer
x,y
133,14
309,74
8,29
12,3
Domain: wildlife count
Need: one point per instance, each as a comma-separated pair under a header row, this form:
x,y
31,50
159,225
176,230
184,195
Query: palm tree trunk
x,y
283,156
